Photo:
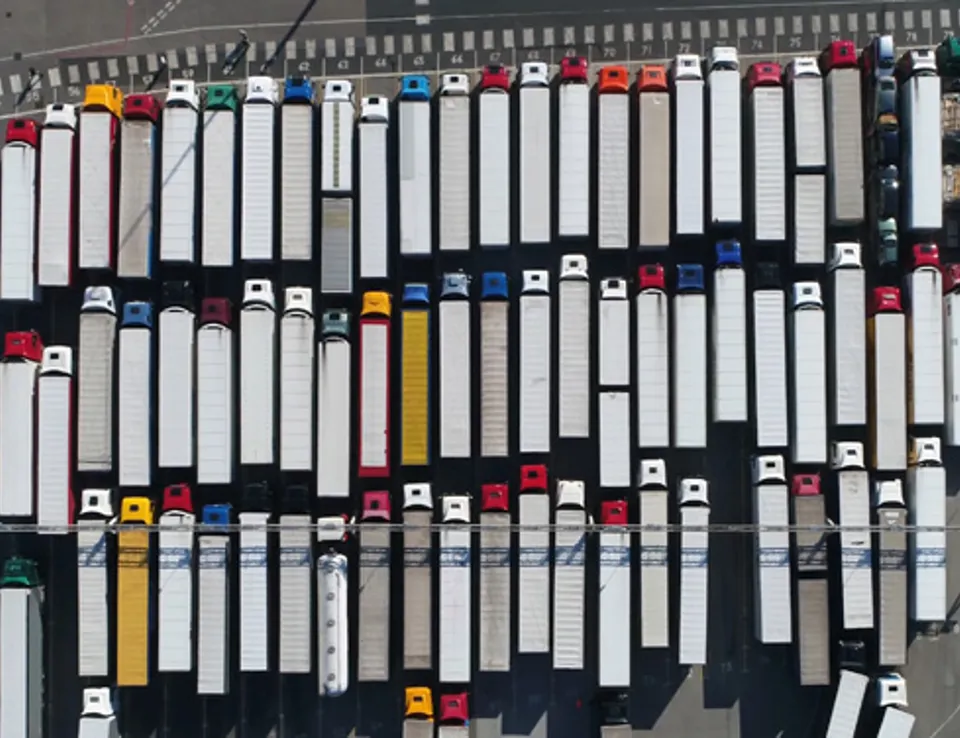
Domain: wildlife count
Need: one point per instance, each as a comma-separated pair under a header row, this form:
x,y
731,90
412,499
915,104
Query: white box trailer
x,y
96,196
690,359
896,724
135,380
454,167
22,354
925,349
98,334
809,218
93,620
178,172
856,555
694,561
886,337
574,350
809,436
614,341
569,556
414,141
336,246
813,605
373,655
55,233
891,517
336,114
534,562
297,346
729,335
257,168
213,598
769,358
493,176
922,148
573,170
951,351
98,718
723,93
218,182
769,154
21,649
417,576
927,496
613,159
296,583
772,611
806,123
455,368
374,438
688,154
848,339
847,704
654,168
54,438
844,133
215,383
297,136
535,397
258,328
333,622
175,386
614,438
494,365
654,554
175,638
653,358
255,620
535,142
373,131
616,619
495,579
333,406
455,606
137,206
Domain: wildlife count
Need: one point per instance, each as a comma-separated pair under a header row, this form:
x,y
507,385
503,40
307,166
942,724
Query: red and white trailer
x,y
22,353
18,199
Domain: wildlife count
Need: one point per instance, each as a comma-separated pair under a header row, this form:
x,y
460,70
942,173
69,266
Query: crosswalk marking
x,y
371,45
723,29
668,31
192,59
93,71
133,65
269,49
742,28
73,74
407,42
760,26
469,41
945,18
609,34
426,43
508,38
908,19
548,39
16,84
704,29
389,47
852,22
53,77
569,35
815,24
779,26
330,48
889,20
173,60
589,35
449,42
871,20
686,32
350,46
487,40
647,32
113,68
310,49
926,19
252,53
210,52
628,33
1,86
528,38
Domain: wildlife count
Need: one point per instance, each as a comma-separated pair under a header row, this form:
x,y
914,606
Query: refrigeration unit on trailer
x,y
177,521
847,704
690,359
455,606
213,601
808,366
653,358
455,367
654,169
613,159
534,147
769,357
493,177
415,407
614,438
297,345
844,133
413,157
138,162
805,121
454,167
55,501
373,131
215,382
654,554
729,334
891,516
21,649
333,625
494,365
495,545
97,186
135,608
856,556
417,713
925,350
927,495
694,559
254,588
688,163
93,612
848,339
919,97
886,340
573,169
534,561
336,245
373,452
134,417
22,354
178,172
55,232
951,349
97,717
812,611
333,405
809,219
535,398
175,386
569,556
258,328
337,113
417,579
296,582
768,153
454,717
723,92
297,156
257,186
574,350
772,612
218,181
18,200
98,333
373,659
614,585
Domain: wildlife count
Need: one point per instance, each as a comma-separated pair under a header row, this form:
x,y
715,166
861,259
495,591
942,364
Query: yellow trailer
x,y
133,593
415,376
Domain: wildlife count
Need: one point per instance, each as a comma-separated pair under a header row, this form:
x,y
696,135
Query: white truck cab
x,y
454,84
769,468
534,74
262,90
891,691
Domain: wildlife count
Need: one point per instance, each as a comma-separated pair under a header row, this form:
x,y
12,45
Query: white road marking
x,y
53,76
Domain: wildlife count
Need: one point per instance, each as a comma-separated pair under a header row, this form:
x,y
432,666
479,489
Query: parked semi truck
x,y
890,512
694,560
454,168
848,349
688,162
613,159
690,359
809,438
770,357
812,609
417,584
729,331
772,616
653,358
922,154
769,204
925,350
21,649
723,91
847,704
535,134
495,576
494,162
654,555
55,233
853,493
951,348
845,135
886,339
805,122
654,167
927,495
573,187
138,163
